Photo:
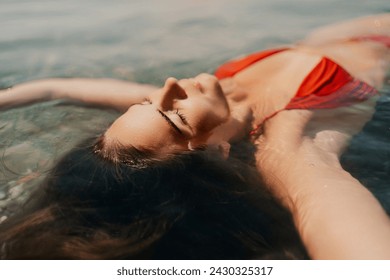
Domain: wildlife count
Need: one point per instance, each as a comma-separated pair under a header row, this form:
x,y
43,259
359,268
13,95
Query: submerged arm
x,y
99,92
336,216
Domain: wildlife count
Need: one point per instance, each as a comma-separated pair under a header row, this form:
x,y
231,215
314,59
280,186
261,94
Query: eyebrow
x,y
171,123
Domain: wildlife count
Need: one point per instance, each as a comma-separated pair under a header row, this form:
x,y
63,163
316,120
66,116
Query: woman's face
x,y
177,117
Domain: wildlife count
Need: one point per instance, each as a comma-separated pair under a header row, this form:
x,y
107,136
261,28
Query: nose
x,y
169,93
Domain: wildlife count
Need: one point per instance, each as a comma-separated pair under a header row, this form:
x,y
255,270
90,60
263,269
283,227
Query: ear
x,y
224,149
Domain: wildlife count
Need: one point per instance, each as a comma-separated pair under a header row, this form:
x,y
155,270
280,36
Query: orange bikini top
x,y
327,86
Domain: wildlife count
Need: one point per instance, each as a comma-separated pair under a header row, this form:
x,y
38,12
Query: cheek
x,y
204,114
199,110
216,109
206,120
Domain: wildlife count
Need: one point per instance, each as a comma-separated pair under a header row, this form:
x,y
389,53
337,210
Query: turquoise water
x,y
147,41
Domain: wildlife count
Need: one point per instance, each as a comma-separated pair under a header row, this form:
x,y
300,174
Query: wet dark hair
x,y
193,206
117,153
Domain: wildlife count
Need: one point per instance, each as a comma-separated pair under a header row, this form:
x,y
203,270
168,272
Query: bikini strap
x,y
232,67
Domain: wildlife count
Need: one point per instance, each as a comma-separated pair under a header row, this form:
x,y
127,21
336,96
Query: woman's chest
x,y
276,79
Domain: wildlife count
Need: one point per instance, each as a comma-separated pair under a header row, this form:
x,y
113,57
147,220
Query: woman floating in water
x,y
125,189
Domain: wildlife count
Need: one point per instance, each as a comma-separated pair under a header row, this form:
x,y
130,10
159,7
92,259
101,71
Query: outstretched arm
x,y
336,216
99,92
378,24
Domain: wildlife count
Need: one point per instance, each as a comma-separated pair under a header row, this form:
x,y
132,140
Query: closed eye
x,y
147,101
181,116
170,122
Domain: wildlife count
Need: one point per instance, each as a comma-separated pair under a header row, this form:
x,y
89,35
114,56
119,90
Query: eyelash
x,y
177,112
181,116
